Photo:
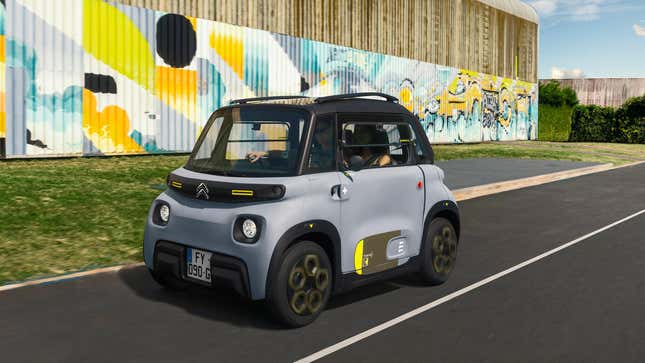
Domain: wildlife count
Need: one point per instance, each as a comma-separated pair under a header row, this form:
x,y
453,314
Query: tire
x,y
299,289
440,252
168,281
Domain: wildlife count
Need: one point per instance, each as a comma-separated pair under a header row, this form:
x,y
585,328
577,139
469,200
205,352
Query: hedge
x,y
554,123
554,114
604,124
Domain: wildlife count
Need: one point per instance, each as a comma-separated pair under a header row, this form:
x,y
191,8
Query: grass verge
x,y
69,214
63,215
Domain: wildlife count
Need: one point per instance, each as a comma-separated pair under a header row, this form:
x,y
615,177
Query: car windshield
x,y
250,142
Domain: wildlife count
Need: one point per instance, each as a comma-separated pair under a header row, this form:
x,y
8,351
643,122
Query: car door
x,y
321,172
382,203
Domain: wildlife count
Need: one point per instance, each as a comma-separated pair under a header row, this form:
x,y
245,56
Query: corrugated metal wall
x,y
94,77
604,91
458,33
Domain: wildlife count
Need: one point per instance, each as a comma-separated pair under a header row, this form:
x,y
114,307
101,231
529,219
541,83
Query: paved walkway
x,y
463,173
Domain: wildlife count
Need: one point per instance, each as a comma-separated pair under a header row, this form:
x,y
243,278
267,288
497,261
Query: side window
x,y
423,155
322,153
376,144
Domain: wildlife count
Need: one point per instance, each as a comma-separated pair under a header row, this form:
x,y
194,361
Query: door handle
x,y
339,192
335,190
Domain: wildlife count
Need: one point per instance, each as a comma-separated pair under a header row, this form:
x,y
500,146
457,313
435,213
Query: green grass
x,y
63,215
554,123
617,154
71,214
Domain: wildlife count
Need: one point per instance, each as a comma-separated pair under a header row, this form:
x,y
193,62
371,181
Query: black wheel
x,y
440,252
168,281
300,287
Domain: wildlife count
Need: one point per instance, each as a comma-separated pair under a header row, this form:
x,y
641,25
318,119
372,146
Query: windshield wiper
x,y
209,171
232,173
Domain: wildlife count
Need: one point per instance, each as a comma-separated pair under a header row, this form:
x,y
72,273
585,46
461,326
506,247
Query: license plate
x,y
198,264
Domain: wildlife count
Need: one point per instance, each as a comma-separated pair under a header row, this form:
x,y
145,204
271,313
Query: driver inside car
x,y
322,148
375,153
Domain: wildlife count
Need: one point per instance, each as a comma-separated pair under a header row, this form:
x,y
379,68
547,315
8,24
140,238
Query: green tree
x,y
569,96
553,95
550,94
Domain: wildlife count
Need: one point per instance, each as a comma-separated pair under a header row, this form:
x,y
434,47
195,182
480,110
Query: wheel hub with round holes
x,y
444,248
307,285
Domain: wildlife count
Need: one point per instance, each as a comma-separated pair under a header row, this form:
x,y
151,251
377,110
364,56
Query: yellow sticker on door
x,y
370,255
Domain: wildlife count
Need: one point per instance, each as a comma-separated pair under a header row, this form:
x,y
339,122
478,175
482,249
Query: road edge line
x,y
410,314
70,276
508,185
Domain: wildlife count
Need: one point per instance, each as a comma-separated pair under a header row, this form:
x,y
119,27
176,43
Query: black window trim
x,y
368,118
306,170
422,140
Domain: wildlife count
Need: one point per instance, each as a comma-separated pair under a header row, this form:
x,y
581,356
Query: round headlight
x,y
164,213
249,229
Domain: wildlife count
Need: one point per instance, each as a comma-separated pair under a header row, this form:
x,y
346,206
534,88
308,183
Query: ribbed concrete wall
x,y
88,77
604,91
466,34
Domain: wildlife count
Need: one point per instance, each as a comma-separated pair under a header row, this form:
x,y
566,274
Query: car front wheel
x,y
440,252
300,287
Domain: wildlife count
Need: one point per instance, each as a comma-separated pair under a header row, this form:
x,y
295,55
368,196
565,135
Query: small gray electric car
x,y
291,199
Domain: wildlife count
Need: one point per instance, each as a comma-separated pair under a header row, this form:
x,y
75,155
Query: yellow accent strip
x,y
358,258
404,140
176,184
242,192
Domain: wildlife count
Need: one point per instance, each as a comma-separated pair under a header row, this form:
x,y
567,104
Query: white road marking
x,y
70,276
388,324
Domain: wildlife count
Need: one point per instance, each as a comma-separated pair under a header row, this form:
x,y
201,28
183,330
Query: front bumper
x,y
209,226
170,258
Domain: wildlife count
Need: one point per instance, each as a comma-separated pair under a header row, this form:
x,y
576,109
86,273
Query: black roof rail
x,y
259,99
347,96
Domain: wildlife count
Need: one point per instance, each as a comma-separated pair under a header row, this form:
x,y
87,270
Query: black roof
x,y
353,102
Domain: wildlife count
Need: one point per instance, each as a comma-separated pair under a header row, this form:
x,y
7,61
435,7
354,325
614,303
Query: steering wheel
x,y
264,162
372,160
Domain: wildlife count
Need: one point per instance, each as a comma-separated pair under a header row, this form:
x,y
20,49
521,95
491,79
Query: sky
x,y
591,38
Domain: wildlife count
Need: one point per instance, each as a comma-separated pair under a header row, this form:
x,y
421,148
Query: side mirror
x,y
355,163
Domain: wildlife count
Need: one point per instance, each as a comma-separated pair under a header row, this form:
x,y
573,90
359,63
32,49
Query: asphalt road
x,y
582,304
463,173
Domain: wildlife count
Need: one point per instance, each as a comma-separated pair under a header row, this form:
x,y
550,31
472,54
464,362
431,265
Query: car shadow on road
x,y
219,304
225,305
360,294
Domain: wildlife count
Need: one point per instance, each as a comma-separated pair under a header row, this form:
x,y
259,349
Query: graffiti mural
x,y
95,77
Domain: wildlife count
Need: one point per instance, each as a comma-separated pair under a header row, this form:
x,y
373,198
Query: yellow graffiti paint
x,y
230,46
358,257
177,88
107,129
405,96
111,37
193,21
461,95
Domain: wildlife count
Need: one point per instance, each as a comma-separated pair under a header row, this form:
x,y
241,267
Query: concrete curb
x,y
70,276
460,195
505,186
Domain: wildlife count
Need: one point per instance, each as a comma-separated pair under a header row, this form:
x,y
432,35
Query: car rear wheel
x,y
440,252
300,287
168,281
